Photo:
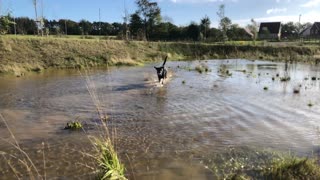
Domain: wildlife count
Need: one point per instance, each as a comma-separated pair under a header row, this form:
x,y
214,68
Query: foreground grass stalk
x,y
109,163
27,163
110,166
44,162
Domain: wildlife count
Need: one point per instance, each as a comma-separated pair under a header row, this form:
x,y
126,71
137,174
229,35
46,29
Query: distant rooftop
x,y
273,27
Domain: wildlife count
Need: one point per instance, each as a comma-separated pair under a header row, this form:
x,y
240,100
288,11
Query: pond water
x,y
160,132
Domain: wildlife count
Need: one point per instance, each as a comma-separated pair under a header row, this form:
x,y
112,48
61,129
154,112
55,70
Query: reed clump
x,y
248,163
202,68
110,166
285,79
108,161
76,125
293,168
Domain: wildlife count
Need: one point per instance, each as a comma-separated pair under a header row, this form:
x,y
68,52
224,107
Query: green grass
x,y
296,90
249,163
24,53
265,88
243,71
107,159
74,125
293,168
202,68
110,166
285,79
199,69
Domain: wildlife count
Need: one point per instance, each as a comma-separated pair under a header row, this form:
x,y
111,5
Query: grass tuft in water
x,y
285,79
74,125
202,68
310,104
266,88
183,82
296,90
248,163
314,78
199,69
110,166
293,168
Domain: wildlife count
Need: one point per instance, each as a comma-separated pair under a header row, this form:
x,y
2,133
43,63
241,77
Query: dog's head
x,y
159,69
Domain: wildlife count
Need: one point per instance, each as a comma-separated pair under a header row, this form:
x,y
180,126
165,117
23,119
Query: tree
x,y
39,21
253,29
236,33
136,25
193,31
35,4
151,15
125,25
5,23
85,27
26,26
215,35
205,26
225,22
69,27
290,30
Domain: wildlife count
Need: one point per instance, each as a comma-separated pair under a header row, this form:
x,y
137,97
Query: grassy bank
x,y
19,54
250,163
228,51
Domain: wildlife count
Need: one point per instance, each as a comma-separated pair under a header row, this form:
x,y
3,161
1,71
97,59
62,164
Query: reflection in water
x,y
165,131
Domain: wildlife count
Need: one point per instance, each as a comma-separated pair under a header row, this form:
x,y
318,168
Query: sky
x,y
180,12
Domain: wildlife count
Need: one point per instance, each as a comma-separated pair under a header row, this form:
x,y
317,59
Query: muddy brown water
x,y
160,132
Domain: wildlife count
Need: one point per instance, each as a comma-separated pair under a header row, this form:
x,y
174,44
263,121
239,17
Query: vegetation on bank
x,y
20,54
248,163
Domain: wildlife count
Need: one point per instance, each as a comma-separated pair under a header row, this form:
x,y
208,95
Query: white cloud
x,y
311,3
276,10
308,17
278,1
199,1
192,1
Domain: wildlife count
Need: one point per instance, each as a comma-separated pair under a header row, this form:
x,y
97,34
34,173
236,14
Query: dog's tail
x,y
165,61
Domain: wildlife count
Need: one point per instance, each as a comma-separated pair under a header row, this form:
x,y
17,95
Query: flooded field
x,y
161,132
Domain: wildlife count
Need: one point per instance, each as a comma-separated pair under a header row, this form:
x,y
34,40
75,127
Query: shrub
x,y
74,126
285,79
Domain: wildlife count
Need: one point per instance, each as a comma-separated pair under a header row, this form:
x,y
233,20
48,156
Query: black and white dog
x,y
162,71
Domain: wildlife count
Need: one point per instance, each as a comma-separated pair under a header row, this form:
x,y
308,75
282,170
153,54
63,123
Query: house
x,y
306,32
315,30
270,30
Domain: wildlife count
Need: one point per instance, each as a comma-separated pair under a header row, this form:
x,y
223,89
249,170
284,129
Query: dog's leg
x,y
161,82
